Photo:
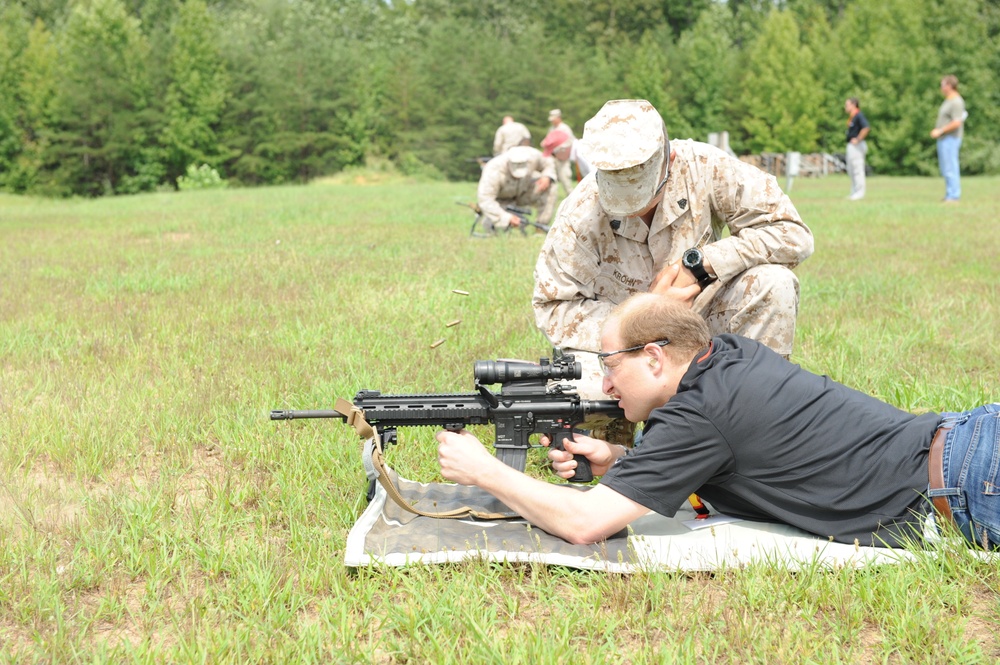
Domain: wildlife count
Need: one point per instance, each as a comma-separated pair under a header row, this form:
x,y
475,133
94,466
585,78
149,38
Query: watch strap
x,y
699,272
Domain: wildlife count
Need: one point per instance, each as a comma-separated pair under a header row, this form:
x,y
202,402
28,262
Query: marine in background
x,y
559,144
509,134
522,177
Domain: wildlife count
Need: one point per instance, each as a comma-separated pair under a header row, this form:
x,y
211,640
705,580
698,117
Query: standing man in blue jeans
x,y
948,132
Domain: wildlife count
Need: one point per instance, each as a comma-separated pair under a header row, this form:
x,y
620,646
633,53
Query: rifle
x,y
526,221
526,404
479,225
481,160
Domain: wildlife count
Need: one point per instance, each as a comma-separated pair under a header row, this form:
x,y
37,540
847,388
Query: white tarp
x,y
387,535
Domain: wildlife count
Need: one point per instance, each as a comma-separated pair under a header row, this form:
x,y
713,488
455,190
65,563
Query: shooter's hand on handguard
x,y
462,457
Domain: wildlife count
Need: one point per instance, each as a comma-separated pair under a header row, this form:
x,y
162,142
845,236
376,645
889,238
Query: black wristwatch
x,y
692,260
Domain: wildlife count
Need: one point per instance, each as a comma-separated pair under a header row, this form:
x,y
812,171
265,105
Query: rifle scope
x,y
519,371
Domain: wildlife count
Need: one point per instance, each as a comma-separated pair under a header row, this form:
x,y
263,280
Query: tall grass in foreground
x,y
150,512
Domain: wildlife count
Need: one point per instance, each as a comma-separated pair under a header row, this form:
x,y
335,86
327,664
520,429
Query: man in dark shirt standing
x,y
756,436
857,147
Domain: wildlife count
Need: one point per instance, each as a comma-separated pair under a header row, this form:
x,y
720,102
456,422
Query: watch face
x,y
692,257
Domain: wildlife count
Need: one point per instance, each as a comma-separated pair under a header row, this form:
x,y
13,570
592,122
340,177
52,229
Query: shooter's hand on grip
x,y
599,455
582,473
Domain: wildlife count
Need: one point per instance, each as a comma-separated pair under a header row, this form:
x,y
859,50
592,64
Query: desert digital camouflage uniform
x,y
499,188
508,136
591,262
561,153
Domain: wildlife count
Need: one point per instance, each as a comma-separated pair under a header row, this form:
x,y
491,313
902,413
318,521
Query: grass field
x,y
150,511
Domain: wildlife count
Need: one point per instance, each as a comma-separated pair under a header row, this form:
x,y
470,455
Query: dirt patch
x,y
43,499
983,623
193,487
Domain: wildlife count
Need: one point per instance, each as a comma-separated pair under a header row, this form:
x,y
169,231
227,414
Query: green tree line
x,y
119,96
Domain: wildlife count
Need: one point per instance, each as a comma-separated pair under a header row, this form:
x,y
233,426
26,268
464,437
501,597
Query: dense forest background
x,y
119,96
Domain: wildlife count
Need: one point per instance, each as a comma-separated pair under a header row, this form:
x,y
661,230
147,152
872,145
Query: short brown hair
x,y
647,317
951,80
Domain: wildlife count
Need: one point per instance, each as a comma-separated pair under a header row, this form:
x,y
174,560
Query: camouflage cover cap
x,y
519,160
625,143
554,113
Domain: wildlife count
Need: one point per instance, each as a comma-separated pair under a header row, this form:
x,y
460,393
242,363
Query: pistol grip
x,y
583,473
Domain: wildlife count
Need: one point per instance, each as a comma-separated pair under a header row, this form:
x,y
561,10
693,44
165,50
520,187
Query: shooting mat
x,y
387,535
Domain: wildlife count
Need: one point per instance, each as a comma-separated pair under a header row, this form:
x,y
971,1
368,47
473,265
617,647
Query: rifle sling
x,y
374,461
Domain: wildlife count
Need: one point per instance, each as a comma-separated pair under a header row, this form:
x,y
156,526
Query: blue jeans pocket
x,y
975,455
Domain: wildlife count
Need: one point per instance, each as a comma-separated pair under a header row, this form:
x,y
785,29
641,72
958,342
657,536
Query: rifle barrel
x,y
294,415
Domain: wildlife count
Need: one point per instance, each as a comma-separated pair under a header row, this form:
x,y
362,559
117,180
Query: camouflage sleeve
x,y
489,188
497,142
566,308
763,223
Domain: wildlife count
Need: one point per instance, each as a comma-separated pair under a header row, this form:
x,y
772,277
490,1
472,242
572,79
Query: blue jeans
x,y
947,149
971,466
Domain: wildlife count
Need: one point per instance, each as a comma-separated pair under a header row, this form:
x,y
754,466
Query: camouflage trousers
x,y
564,171
761,303
620,432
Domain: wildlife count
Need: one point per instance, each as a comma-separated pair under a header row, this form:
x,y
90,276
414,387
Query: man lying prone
x,y
757,437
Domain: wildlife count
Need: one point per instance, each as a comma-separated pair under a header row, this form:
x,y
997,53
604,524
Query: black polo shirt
x,y
857,123
762,439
